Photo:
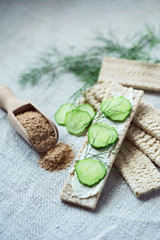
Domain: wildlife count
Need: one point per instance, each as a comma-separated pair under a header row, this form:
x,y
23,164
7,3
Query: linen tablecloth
x,y
30,207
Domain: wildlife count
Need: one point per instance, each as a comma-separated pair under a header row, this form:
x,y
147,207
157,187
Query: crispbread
x,y
131,73
67,193
148,118
137,169
148,144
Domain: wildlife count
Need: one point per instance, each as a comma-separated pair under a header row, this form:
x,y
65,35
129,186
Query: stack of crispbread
x,y
141,145
142,178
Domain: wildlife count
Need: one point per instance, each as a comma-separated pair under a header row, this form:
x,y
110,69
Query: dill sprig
x,y
86,65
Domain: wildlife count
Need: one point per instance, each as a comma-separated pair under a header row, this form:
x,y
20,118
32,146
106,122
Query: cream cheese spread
x,y
82,191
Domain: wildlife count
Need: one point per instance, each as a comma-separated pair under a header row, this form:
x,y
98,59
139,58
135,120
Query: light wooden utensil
x,y
11,104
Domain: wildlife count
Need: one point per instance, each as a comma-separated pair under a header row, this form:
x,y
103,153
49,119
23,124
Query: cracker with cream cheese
x,y
68,194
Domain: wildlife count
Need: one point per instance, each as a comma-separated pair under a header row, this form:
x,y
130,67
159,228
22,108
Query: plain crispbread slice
x,y
67,193
148,118
131,73
137,169
148,144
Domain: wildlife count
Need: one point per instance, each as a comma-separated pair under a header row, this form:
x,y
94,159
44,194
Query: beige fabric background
x,y
30,208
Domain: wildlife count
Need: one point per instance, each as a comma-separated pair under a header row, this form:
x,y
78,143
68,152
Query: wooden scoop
x,y
10,103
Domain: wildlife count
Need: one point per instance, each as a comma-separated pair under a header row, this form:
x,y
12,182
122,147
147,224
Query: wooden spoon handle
x,y
8,100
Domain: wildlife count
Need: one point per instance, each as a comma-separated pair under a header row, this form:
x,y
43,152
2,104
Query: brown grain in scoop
x,y
40,132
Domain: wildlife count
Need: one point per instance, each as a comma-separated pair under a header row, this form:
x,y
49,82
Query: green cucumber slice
x,y
90,171
88,108
101,135
61,112
76,121
117,109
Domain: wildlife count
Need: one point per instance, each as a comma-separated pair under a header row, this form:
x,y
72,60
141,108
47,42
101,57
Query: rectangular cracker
x,y
148,144
137,169
67,193
148,118
131,73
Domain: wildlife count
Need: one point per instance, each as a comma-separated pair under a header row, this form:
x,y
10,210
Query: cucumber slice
x,y
117,109
88,108
76,121
61,112
101,135
90,171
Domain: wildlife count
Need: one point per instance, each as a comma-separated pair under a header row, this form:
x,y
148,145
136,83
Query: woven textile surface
x,y
30,207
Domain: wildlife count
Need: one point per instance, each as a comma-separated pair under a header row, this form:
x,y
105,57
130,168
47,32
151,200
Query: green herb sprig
x,y
86,65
